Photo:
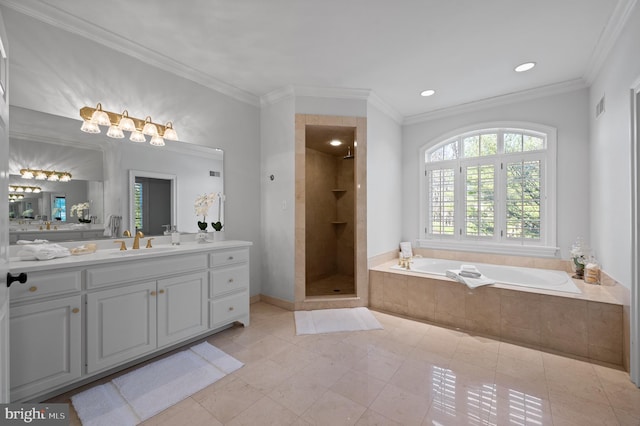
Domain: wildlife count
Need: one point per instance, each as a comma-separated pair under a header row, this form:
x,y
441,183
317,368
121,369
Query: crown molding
x,y
608,38
60,19
277,95
385,107
332,92
510,98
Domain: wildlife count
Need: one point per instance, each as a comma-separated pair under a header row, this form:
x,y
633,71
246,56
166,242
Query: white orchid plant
x,y
202,205
78,208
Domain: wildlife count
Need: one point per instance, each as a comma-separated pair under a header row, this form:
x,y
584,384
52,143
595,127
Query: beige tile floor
x,y
337,284
410,373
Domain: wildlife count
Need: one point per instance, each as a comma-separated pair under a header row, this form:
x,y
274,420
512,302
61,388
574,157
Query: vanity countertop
x,y
108,252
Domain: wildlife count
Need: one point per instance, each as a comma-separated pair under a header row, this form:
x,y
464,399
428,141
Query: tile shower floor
x,y
337,284
410,373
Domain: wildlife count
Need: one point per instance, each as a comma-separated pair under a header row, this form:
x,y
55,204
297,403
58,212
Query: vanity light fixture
x,y
50,175
93,118
14,197
22,188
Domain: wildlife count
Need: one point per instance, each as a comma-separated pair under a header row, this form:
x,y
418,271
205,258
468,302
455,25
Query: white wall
x,y
277,134
567,112
384,182
610,153
57,72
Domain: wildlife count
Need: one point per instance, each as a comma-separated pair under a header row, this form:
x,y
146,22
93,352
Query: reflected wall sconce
x,y
50,175
93,118
23,188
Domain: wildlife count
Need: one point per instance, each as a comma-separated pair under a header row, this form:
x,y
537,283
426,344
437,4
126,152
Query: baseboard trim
x,y
284,304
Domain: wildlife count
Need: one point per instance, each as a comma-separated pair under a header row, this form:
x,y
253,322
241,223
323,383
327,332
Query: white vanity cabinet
x,y
121,325
127,322
45,332
229,287
84,317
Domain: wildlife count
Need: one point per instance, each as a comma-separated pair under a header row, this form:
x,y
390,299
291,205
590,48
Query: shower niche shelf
x,y
338,222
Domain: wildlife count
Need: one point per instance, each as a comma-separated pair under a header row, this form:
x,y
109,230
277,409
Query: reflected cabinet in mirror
x,y
144,187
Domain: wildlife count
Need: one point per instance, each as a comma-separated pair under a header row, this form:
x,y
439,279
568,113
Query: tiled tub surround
x,y
588,325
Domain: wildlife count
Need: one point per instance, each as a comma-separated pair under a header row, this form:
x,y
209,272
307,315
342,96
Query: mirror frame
x,y
133,174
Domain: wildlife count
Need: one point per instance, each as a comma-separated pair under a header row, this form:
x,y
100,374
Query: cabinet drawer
x,y
41,284
229,309
228,280
228,257
144,269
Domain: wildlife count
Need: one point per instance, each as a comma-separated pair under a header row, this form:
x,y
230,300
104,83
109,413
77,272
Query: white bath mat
x,y
148,390
335,320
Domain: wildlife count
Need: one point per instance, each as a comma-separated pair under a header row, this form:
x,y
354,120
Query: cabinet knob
x,y
161,291
230,308
33,289
75,310
153,293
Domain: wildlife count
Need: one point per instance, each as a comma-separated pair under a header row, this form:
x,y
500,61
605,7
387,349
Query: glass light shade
x,y
157,141
41,175
37,190
115,132
65,177
126,123
12,189
19,189
53,177
169,133
100,117
26,174
149,128
28,189
137,136
89,127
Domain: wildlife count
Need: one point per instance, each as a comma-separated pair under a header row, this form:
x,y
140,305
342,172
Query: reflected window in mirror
x,y
59,208
137,187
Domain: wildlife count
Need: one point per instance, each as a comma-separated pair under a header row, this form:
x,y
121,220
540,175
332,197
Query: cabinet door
x,y
46,349
121,325
182,307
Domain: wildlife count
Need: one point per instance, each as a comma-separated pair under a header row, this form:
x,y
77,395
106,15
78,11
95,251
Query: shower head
x,y
349,156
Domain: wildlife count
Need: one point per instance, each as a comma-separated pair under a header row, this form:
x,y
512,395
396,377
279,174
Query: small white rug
x,y
143,393
335,320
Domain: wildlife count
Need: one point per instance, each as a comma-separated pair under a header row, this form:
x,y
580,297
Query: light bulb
x,y
53,177
169,132
100,117
126,123
137,136
157,141
115,132
149,128
41,175
89,127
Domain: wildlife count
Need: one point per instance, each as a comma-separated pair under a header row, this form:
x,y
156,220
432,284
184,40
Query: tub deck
x,y
589,324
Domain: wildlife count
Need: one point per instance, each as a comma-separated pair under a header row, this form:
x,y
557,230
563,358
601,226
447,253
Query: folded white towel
x,y
43,252
26,242
107,229
470,276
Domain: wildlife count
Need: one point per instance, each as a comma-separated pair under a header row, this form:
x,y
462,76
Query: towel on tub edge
x,y
470,276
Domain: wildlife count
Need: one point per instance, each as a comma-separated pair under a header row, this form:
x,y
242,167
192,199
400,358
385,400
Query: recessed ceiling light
x,y
525,67
429,92
335,142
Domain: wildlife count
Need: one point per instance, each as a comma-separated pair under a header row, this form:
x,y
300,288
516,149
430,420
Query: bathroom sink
x,y
141,251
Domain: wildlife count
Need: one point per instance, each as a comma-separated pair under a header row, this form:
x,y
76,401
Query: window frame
x,y
546,245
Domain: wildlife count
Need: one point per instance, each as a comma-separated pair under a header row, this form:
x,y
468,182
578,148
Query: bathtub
x,y
545,279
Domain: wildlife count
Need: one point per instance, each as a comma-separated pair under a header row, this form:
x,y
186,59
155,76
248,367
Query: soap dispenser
x,y
175,236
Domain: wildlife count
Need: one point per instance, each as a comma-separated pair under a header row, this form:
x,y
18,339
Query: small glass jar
x,y
592,272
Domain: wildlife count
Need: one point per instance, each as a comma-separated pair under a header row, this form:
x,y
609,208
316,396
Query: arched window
x,y
490,186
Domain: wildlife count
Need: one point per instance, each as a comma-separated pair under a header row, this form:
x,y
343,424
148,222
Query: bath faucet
x,y
136,240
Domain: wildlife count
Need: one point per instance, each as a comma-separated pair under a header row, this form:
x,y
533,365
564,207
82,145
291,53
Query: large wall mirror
x,y
104,175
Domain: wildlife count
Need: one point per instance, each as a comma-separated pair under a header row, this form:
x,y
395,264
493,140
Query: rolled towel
x,y
27,242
